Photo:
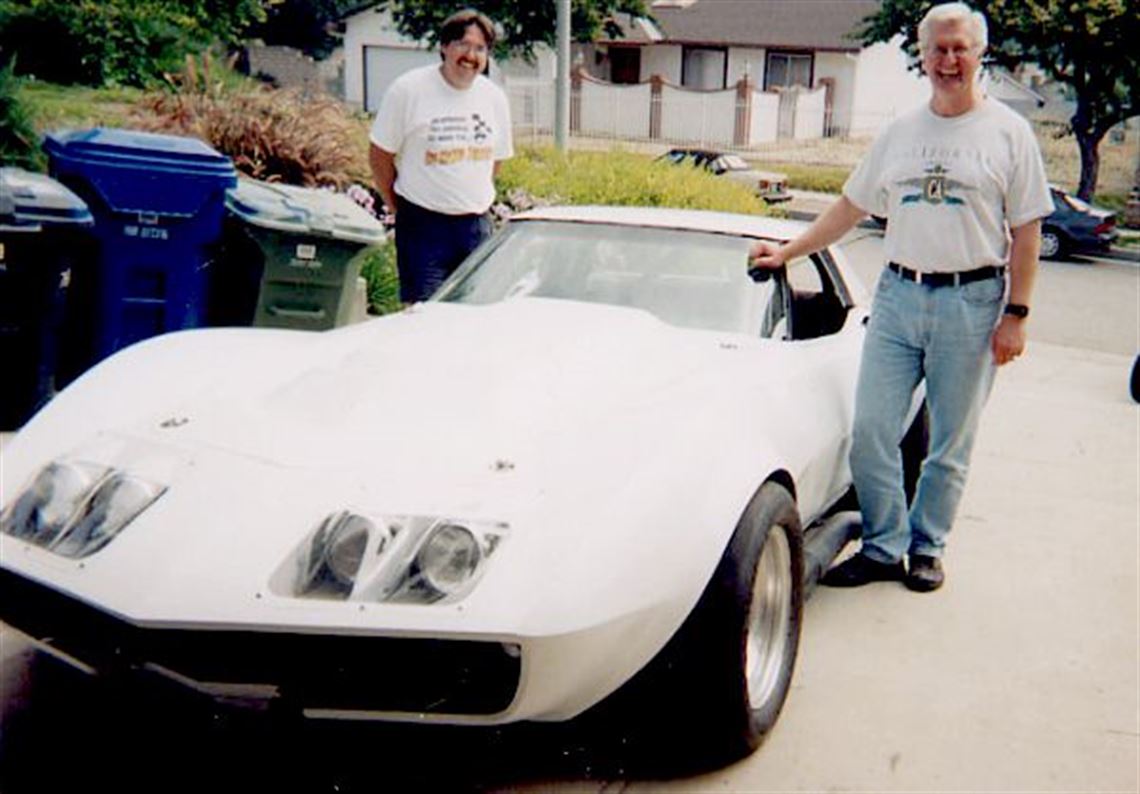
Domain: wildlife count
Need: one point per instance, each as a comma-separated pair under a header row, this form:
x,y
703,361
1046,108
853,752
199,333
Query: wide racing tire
x,y
715,691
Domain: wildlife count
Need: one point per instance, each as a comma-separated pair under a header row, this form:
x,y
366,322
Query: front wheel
x,y
722,680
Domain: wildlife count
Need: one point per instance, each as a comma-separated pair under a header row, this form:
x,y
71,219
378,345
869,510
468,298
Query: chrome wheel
x,y
1050,244
769,616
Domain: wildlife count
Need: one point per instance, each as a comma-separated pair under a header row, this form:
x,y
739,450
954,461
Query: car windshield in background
x,y
732,162
688,279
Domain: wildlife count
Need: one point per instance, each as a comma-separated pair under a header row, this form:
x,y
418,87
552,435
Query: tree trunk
x,y
1088,141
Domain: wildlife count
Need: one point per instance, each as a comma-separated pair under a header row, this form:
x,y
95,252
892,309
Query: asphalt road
x,y
1020,675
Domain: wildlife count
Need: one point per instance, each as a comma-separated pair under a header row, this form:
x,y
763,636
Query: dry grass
x,y
270,135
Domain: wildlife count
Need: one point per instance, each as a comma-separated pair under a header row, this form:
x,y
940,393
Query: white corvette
x,y
598,457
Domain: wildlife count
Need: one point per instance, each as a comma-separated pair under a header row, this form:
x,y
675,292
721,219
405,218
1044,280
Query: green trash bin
x,y
305,243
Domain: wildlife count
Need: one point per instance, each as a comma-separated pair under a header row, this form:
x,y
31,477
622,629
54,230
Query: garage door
x,y
382,65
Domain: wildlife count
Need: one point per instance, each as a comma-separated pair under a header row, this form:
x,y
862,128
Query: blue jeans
x,y
942,334
430,245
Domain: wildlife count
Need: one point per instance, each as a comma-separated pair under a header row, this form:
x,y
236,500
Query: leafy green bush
x,y
19,143
116,42
621,178
821,178
379,269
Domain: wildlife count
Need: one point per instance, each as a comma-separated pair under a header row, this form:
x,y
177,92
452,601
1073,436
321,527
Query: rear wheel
x,y
1052,244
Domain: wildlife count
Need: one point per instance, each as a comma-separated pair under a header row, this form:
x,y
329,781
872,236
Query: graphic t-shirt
x,y
952,187
445,139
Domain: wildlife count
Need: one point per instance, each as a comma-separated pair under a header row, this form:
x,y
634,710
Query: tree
x,y
524,22
126,42
1089,45
303,24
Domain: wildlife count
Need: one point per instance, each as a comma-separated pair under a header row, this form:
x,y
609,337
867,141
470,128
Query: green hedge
x,y
19,141
378,266
621,178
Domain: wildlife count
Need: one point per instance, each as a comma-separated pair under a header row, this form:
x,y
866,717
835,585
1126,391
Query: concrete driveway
x,y
1020,675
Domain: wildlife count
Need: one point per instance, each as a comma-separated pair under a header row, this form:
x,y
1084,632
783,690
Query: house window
x,y
787,69
704,67
625,65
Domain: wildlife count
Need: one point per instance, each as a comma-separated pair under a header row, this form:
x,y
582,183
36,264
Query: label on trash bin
x,y
305,256
146,232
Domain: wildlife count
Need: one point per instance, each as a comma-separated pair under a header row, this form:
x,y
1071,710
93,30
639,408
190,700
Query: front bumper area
x,y
317,672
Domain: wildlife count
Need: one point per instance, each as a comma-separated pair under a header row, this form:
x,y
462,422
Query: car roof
x,y
666,218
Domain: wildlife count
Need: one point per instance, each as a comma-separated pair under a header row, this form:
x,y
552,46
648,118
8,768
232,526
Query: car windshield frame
x,y
687,278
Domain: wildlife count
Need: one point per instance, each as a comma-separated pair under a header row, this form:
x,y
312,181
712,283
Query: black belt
x,y
955,279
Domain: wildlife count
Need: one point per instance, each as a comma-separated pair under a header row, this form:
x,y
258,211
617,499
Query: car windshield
x,y
732,162
1076,203
688,279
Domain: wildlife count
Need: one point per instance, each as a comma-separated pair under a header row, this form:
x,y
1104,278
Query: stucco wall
x,y
840,67
662,59
742,59
884,89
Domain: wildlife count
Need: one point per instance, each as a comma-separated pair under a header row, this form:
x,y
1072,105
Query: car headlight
x,y
336,553
449,558
43,509
399,559
76,508
117,501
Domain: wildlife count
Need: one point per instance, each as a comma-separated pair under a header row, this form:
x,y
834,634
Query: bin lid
x,y
153,150
303,210
29,200
126,167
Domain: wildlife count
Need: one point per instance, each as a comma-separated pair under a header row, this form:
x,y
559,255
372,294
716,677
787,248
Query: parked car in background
x,y
771,186
1076,227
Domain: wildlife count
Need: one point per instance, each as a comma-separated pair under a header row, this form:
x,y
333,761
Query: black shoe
x,y
925,573
861,570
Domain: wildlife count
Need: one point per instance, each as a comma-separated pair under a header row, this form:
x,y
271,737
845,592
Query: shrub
x,y
379,270
116,42
620,178
19,143
275,136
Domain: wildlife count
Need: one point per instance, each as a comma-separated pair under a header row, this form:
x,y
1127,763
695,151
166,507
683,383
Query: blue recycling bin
x,y
42,240
158,203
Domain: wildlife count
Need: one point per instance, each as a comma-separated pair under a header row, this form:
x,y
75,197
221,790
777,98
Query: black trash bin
x,y
158,203
43,235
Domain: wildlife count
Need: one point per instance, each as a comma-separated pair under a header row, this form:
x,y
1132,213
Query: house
x,y
729,72
375,54
778,44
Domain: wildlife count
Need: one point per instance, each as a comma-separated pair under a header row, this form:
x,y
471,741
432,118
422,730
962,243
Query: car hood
x,y
474,385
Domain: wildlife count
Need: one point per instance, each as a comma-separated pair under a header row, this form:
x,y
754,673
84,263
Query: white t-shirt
x,y
952,187
446,140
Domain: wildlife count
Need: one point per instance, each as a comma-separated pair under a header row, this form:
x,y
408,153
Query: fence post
x,y
742,126
656,82
576,98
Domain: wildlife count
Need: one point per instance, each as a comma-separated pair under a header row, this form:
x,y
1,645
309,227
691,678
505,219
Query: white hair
x,y
954,12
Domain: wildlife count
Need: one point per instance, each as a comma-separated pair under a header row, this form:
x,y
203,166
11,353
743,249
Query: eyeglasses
x,y
467,48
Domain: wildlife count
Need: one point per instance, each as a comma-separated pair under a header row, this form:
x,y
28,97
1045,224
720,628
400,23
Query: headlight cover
x,y
395,559
75,508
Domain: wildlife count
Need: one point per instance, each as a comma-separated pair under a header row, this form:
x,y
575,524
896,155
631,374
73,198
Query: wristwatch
x,y
1019,310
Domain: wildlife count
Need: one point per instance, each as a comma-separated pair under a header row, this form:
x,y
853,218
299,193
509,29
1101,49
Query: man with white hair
x,y
962,184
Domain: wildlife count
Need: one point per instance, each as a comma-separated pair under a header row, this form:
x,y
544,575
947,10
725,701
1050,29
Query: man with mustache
x,y
436,145
962,184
